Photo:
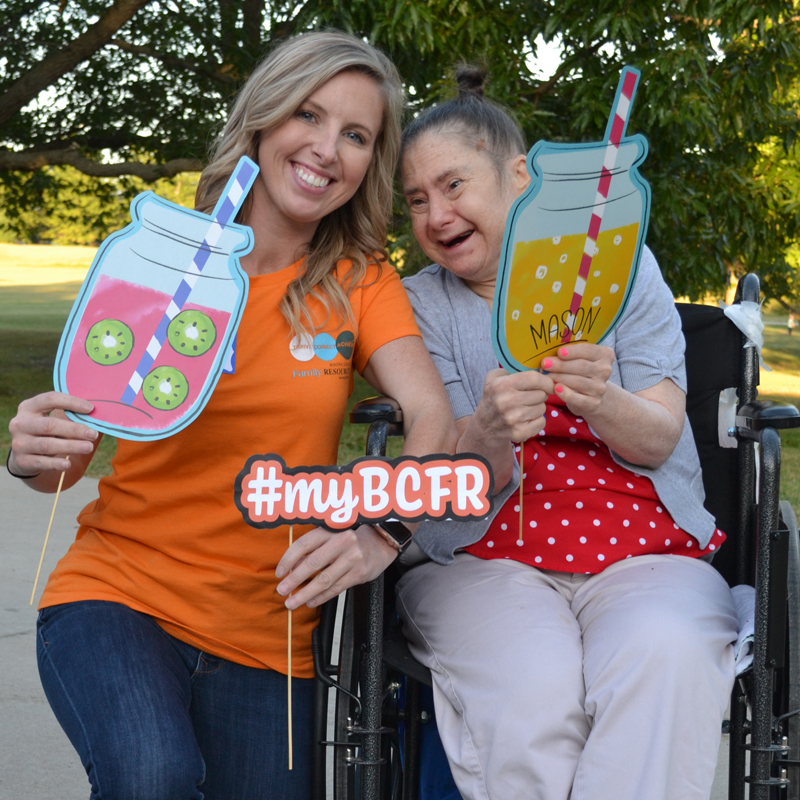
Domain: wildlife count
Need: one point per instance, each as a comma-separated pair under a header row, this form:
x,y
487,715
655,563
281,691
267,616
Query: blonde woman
x,y
162,632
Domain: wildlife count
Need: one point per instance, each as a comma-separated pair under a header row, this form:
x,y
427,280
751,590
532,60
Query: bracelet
x,y
14,474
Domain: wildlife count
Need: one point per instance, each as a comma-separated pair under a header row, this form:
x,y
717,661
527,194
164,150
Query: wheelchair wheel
x,y
792,670
347,709
348,719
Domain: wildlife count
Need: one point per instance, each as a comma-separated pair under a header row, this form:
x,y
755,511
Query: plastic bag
x,y
746,316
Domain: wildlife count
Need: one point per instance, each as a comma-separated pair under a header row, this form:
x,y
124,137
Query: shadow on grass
x,y
781,351
37,308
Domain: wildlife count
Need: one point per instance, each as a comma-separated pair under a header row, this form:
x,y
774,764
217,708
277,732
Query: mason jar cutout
x,y
149,333
582,222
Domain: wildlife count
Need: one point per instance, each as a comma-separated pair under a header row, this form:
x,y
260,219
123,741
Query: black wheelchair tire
x,y
344,772
793,649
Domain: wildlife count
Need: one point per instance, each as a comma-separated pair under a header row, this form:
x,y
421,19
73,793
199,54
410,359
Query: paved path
x,y
37,761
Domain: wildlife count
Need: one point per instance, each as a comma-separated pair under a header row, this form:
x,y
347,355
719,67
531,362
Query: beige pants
x,y
549,686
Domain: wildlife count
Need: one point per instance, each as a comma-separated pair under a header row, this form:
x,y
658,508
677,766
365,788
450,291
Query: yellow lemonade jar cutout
x,y
573,242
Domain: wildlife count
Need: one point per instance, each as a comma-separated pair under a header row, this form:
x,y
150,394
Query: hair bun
x,y
470,80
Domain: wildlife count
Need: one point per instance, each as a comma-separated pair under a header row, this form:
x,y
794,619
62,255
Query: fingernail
x,y
559,389
282,590
563,351
280,572
547,363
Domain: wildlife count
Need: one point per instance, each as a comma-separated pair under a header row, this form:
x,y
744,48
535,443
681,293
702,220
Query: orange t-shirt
x,y
165,536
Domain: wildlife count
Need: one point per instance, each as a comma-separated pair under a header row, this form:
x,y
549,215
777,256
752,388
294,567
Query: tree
x,y
137,87
71,208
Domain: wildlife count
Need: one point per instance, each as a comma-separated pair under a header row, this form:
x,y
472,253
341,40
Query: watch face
x,y
397,530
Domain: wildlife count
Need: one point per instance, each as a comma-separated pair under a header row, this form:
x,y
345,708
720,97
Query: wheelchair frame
x,y
770,537
363,744
767,555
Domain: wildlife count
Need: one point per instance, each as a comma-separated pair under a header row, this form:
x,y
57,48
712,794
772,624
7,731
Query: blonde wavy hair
x,y
295,69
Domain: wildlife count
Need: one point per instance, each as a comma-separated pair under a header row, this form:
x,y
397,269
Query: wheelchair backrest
x,y
713,363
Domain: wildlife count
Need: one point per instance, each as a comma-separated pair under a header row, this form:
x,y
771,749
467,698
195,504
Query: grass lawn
x,y
40,264
782,353
33,310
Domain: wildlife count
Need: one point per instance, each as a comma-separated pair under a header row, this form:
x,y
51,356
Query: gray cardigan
x,y
648,343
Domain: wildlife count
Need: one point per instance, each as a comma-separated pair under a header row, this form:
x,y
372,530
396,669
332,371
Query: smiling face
x,y
315,161
459,205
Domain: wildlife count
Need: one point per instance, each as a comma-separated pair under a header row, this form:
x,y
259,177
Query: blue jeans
x,y
153,718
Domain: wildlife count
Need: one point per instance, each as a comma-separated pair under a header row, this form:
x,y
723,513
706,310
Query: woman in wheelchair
x,y
582,647
162,638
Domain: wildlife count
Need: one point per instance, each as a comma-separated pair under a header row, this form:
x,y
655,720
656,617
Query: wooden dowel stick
x,y
47,535
289,671
521,468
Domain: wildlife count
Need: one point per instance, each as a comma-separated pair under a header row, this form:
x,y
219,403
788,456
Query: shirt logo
x,y
324,347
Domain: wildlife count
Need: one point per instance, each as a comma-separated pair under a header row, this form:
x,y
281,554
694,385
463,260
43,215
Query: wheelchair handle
x,y
762,414
375,409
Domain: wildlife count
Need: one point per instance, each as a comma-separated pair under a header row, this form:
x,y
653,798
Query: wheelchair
x,y
367,714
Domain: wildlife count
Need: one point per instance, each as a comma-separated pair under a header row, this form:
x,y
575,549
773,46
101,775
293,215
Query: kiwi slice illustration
x,y
191,333
109,342
165,388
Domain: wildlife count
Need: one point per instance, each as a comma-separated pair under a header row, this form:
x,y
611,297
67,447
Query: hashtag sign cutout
x,y
269,494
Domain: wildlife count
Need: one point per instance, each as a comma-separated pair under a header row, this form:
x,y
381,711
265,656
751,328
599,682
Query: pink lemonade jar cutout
x,y
151,328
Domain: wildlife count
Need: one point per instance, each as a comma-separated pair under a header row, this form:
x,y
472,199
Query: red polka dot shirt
x,y
581,511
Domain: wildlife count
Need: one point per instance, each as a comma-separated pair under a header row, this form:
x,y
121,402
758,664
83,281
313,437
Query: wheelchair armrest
x,y
765,414
375,409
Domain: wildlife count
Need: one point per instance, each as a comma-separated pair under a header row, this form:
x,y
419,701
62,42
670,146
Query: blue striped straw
x,y
224,212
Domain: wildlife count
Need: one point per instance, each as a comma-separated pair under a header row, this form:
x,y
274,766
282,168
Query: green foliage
x,y
718,100
59,205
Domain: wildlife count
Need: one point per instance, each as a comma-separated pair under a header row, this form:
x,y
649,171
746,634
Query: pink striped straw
x,y
617,122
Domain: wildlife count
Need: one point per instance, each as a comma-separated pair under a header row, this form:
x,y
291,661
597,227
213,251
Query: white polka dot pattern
x,y
577,520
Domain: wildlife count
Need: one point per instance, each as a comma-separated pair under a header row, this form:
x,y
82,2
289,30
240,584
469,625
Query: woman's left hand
x,y
643,427
580,373
340,560
401,369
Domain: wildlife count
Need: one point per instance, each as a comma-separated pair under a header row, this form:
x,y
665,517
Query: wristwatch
x,y
395,533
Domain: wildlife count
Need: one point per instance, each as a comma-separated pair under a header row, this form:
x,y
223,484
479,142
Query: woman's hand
x,y
42,437
339,559
511,409
512,405
401,369
580,375
642,427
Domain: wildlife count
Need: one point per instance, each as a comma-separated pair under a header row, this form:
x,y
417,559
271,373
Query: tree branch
x,y
30,160
544,88
288,26
171,61
47,72
111,141
566,65
253,19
